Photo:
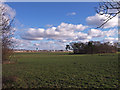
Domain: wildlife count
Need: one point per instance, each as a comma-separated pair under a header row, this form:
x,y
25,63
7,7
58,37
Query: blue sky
x,y
53,25
39,14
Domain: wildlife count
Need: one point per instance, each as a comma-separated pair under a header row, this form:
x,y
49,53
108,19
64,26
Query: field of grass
x,y
49,70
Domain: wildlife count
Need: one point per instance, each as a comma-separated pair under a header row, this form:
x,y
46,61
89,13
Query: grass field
x,y
50,70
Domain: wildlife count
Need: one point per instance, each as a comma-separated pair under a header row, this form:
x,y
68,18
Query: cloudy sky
x,y
53,25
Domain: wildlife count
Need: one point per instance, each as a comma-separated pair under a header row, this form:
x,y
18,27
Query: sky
x,y
52,25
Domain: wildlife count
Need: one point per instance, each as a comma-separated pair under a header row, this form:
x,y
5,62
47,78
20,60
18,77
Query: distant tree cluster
x,y
92,47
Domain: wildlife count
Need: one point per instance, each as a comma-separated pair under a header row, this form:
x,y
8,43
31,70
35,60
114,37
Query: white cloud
x,y
95,33
42,45
99,33
49,25
34,34
36,44
98,20
50,45
111,32
59,37
64,32
71,27
21,43
71,14
82,36
110,39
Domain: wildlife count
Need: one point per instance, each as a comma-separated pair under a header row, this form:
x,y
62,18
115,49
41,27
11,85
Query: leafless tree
x,y
6,22
110,9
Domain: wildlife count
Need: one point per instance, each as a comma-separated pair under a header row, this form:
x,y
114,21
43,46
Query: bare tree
x,y
109,8
6,21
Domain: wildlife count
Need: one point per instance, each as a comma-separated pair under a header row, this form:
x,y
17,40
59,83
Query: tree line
x,y
92,47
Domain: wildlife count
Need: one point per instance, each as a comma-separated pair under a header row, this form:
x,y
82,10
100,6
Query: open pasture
x,y
50,70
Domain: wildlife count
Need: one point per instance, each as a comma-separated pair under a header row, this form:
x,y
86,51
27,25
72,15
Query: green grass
x,y
50,70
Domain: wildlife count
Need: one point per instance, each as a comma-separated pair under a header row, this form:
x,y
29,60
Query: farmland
x,y
56,70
